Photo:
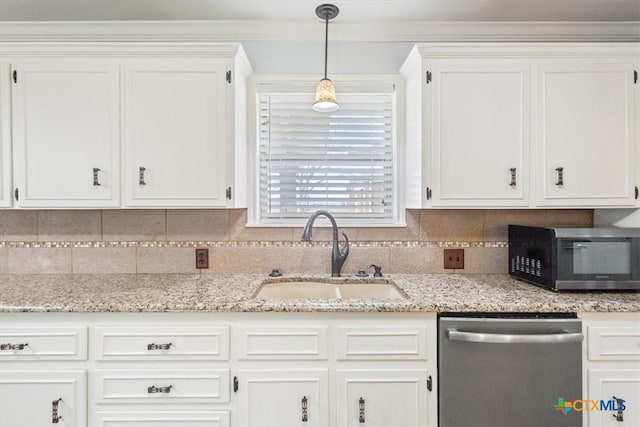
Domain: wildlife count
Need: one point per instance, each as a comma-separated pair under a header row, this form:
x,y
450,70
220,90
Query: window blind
x,y
341,162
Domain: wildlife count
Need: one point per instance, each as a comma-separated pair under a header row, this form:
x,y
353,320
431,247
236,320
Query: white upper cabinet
x,y
479,132
164,124
175,132
66,133
5,135
522,125
587,139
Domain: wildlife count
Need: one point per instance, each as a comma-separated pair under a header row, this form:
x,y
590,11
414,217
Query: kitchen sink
x,y
318,289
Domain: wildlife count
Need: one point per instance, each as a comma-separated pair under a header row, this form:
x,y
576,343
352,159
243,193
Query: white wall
x,y
616,217
307,57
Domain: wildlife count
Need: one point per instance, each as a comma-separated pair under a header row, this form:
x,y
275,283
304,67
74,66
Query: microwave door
x,y
595,259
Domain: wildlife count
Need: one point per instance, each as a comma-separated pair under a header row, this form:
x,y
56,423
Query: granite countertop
x,y
234,292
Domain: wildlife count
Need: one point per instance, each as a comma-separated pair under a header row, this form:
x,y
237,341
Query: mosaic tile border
x,y
249,244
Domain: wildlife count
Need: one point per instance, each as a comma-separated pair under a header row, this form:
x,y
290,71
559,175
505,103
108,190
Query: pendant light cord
x,y
326,44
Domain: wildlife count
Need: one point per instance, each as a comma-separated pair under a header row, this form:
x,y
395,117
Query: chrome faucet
x,y
338,254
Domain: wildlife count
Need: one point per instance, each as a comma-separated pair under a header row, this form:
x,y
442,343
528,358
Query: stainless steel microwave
x,y
565,259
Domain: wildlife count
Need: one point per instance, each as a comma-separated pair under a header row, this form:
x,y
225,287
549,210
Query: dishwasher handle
x,y
481,337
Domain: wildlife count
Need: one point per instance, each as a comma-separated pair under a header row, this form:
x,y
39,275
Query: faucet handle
x,y
344,250
378,270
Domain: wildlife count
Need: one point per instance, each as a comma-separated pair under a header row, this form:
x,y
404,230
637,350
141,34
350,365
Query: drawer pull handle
x,y
55,418
141,171
153,346
560,181
305,415
513,177
621,407
361,406
154,389
96,181
13,346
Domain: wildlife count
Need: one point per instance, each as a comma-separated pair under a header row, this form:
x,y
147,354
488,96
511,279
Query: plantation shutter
x,y
341,162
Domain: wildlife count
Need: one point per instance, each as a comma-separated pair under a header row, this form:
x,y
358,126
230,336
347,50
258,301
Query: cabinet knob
x,y
55,418
96,182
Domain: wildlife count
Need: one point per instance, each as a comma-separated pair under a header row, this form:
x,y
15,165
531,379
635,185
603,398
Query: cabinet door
x,y
5,135
163,419
283,398
176,140
382,398
39,398
66,134
479,133
607,385
586,140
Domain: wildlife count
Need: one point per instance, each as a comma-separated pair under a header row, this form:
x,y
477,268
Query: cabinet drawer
x,y
613,343
27,343
164,419
162,386
162,343
377,343
260,343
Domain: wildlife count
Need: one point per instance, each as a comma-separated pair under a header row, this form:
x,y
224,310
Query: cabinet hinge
x,y
16,194
229,193
235,384
229,76
15,76
429,383
428,193
428,77
635,77
637,192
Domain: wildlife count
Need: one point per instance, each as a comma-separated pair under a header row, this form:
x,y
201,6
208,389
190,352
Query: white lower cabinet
x,y
164,419
281,398
612,369
218,369
382,397
41,398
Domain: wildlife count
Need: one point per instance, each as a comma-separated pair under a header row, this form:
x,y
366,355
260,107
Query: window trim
x,y
305,83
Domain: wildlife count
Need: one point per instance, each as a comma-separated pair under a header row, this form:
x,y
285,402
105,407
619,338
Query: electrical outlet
x,y
453,259
202,258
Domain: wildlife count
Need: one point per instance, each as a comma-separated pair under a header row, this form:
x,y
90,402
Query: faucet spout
x,y
339,253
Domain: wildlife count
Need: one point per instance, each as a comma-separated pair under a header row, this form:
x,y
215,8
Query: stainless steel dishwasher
x,y
508,369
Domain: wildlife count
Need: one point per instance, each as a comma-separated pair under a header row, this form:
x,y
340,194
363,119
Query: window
x,y
342,162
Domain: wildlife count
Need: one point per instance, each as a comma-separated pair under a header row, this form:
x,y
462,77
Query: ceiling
x,y
351,11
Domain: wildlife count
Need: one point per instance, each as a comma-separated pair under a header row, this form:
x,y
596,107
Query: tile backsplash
x,y
163,241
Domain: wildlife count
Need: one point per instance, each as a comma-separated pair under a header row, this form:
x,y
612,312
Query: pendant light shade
x,y
325,99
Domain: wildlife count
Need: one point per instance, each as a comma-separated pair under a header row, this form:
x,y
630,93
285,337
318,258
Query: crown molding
x,y
238,31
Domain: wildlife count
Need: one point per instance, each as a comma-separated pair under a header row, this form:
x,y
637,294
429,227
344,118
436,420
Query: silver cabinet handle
x,y
96,182
455,335
361,412
55,418
560,180
305,414
513,177
153,346
9,346
154,389
141,171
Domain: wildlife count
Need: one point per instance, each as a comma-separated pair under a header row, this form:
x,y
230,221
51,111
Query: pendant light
x,y
325,100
